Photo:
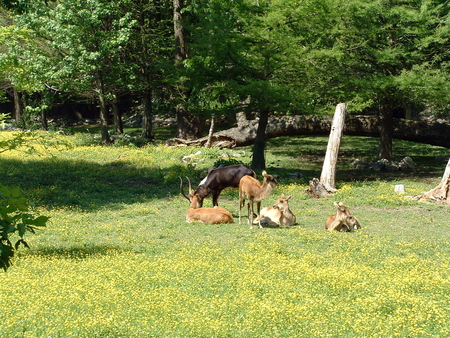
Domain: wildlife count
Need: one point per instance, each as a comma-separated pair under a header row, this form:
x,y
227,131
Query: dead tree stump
x,y
442,191
326,185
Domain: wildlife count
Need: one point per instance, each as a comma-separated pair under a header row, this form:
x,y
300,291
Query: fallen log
x,y
434,133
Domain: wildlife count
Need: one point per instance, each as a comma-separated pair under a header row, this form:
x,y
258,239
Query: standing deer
x,y
214,215
278,214
251,189
343,220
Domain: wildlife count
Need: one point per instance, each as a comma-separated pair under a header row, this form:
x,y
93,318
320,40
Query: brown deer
x,y
214,215
343,220
278,214
251,189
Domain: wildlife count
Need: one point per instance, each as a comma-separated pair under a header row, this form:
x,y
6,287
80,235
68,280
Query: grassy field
x,y
119,260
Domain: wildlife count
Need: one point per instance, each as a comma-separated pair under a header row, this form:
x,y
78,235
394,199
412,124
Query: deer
x,y
343,220
278,214
252,190
219,179
215,215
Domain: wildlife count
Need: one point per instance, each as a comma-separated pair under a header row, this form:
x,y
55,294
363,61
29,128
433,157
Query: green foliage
x,y
16,217
3,118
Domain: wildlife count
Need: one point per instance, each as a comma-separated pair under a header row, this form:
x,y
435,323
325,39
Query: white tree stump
x,y
326,185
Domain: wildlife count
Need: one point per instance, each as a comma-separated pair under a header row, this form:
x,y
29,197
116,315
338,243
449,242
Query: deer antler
x,y
182,190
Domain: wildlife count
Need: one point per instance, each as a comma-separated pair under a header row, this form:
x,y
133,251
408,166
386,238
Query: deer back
x,y
214,215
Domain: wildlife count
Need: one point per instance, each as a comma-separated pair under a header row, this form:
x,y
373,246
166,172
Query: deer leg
x,y
258,207
337,226
241,204
215,198
250,213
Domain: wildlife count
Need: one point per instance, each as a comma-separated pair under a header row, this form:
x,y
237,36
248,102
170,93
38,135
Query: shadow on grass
x,y
55,183
86,185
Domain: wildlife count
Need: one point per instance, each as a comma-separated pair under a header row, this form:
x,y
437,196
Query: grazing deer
x,y
220,179
214,215
343,220
251,189
278,214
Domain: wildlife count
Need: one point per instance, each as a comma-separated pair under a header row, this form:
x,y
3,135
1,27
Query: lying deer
x,y
278,214
251,189
343,220
214,215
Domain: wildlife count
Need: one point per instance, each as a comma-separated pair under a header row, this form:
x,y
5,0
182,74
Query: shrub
x,y
15,218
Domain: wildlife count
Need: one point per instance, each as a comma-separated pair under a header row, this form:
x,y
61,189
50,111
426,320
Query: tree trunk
x,y
259,161
104,120
18,107
147,115
189,126
442,191
386,133
118,125
326,185
210,134
328,176
44,120
103,110
180,41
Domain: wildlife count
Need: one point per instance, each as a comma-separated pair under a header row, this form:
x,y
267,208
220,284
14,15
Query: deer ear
x,y
288,198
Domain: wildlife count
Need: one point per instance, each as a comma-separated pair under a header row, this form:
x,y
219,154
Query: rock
x,y
358,164
407,164
399,188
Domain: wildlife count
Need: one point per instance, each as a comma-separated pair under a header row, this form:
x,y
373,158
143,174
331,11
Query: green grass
x,y
119,260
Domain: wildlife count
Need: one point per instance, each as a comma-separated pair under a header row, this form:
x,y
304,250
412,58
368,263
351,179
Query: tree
x,y
149,55
378,44
240,60
189,126
83,40
15,68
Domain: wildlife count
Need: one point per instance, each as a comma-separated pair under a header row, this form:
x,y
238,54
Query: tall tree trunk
x,y
259,161
44,121
118,125
386,133
180,42
103,110
210,133
18,107
189,126
328,175
147,115
104,120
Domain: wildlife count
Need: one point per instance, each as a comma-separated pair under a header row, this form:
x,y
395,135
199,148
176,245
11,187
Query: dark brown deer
x,y
343,220
278,214
220,179
214,215
255,192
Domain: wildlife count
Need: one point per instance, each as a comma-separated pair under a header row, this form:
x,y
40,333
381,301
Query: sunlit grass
x,y
119,260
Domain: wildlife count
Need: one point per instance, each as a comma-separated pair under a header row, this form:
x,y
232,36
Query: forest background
x,y
197,59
